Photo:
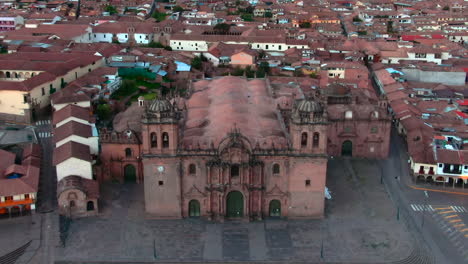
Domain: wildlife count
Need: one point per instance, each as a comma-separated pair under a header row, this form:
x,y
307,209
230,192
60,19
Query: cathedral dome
x,y
160,105
308,106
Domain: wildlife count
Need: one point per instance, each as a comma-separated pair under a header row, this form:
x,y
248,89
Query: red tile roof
x,y
70,111
71,150
72,128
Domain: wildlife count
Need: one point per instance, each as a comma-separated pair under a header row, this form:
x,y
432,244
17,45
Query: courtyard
x,y
360,225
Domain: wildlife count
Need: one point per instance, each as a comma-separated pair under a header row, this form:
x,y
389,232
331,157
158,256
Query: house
x,y
76,132
73,158
70,113
19,182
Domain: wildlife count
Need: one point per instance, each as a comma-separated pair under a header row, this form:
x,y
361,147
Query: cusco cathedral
x,y
242,148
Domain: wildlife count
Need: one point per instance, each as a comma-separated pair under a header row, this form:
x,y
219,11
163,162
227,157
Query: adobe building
x,y
235,148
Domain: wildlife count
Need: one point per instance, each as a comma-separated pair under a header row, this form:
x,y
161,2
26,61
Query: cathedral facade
x,y
234,148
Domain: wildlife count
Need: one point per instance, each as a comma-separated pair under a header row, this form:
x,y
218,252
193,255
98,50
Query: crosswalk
x,y
430,208
453,227
44,134
42,122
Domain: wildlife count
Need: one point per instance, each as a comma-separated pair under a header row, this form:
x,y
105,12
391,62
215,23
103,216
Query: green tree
x,y
247,17
357,19
104,111
362,33
249,73
390,26
222,27
305,25
313,75
268,14
238,71
153,44
177,9
111,9
159,16
446,8
197,63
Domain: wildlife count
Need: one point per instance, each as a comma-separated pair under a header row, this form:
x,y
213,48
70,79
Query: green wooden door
x,y
275,208
235,204
130,173
194,208
347,148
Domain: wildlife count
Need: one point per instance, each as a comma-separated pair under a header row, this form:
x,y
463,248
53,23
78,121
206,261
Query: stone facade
x,y
234,148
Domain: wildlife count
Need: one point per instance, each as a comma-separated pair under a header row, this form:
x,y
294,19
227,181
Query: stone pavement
x,y
360,226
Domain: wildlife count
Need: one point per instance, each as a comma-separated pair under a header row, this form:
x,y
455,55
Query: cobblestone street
x,y
360,226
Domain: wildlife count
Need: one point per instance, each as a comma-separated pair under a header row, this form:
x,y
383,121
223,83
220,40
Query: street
x,y
438,218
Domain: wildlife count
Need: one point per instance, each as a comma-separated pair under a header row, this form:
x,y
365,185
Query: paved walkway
x,y
360,226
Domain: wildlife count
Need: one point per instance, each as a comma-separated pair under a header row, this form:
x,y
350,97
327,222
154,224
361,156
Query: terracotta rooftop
x,y
71,150
72,128
218,106
70,111
90,187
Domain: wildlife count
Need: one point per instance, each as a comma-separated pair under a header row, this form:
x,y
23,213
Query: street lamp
x,y
426,194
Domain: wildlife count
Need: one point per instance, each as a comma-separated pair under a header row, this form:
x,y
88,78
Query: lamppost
x,y
426,194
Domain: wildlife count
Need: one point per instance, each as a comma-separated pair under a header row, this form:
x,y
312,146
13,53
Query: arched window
x,y
16,75
72,203
165,140
8,74
90,206
316,139
304,139
154,140
128,152
276,168
235,171
192,169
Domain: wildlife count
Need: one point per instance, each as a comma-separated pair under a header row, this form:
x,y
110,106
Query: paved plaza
x,y
360,226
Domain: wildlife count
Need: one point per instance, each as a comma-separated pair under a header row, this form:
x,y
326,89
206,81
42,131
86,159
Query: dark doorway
x,y
194,208
347,148
235,204
90,206
275,208
130,173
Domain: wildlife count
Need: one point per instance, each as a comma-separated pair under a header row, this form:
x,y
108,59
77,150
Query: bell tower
x,y
161,165
308,128
160,130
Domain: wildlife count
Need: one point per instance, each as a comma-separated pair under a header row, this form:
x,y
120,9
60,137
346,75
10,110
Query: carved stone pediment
x,y
276,191
194,192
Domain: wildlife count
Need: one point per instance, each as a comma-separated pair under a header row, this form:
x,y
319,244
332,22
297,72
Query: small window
x,y
307,183
128,152
304,139
161,183
25,98
165,140
466,167
43,91
316,139
440,165
72,203
276,168
192,169
154,140
26,196
235,171
373,130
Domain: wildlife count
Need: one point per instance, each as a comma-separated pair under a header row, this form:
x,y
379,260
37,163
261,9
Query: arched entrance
x,y
235,204
275,208
194,208
347,148
130,173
